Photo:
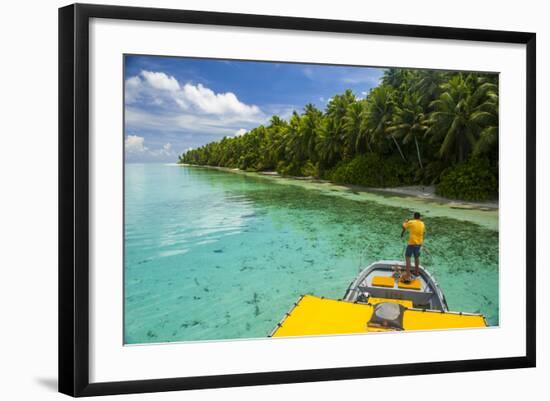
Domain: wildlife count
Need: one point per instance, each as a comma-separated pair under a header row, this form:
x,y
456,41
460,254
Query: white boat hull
x,y
429,296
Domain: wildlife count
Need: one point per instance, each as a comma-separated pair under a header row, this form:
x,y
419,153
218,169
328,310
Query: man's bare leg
x,y
407,268
417,266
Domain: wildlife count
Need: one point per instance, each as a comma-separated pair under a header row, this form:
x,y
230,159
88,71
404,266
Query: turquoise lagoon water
x,y
216,255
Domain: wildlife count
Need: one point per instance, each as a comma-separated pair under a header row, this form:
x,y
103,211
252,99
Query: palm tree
x,y
338,105
332,133
363,137
460,114
309,127
294,148
409,121
379,114
428,84
329,144
352,126
487,117
280,144
395,77
278,130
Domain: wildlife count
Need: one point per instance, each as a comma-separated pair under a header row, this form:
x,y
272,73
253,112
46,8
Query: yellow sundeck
x,y
377,301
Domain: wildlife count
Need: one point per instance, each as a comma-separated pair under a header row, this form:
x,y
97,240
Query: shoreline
x,y
426,192
410,197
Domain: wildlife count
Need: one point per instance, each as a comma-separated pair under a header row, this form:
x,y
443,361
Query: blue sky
x,y
173,104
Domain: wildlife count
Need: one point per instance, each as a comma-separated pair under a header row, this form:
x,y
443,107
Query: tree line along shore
x,y
417,127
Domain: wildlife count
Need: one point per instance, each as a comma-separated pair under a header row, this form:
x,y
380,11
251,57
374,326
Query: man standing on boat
x,y
416,230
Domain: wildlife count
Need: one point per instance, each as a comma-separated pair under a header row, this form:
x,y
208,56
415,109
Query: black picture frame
x,y
74,194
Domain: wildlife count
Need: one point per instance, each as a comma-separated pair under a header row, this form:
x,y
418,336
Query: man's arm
x,y
404,227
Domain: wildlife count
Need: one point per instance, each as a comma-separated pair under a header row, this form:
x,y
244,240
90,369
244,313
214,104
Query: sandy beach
x,y
421,198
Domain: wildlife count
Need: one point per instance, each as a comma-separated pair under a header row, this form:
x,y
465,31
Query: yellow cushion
x,y
413,285
405,302
383,281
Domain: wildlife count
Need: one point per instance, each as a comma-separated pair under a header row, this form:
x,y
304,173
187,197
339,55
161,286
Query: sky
x,y
173,104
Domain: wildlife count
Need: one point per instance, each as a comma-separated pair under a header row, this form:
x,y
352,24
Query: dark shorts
x,y
413,250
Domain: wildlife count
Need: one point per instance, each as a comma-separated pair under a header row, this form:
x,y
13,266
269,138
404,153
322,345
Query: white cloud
x,y
177,122
165,151
161,81
164,90
205,100
133,82
135,148
132,88
185,116
134,144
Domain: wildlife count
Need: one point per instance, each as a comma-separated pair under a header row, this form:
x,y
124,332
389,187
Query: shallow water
x,y
215,255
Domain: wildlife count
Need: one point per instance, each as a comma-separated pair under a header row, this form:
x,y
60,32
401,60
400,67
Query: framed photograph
x,y
251,199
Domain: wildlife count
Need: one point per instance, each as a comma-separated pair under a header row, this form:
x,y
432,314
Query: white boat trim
x,y
431,290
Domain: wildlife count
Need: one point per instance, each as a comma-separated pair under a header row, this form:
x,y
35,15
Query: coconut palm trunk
x,y
369,146
418,153
398,148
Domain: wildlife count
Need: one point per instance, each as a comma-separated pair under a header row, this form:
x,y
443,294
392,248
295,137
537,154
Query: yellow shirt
x,y
416,231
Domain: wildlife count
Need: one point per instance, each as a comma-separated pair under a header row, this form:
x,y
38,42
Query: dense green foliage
x,y
471,180
416,127
372,170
